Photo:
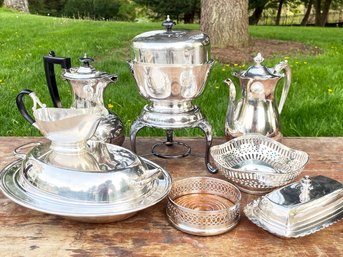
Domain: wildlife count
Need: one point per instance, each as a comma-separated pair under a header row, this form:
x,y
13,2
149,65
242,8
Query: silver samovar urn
x,y
171,68
88,87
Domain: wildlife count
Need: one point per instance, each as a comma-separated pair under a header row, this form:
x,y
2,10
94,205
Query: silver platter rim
x,y
81,211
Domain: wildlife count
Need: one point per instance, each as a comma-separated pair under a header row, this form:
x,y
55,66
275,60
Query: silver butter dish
x,y
299,209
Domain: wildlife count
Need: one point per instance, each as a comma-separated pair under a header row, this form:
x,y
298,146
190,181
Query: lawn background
x,y
314,106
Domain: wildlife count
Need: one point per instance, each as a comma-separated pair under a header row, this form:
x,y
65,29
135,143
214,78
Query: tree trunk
x,y
307,14
318,17
226,22
256,16
325,12
20,5
279,10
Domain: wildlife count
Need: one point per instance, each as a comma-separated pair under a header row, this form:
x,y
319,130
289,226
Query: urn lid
x,y
171,46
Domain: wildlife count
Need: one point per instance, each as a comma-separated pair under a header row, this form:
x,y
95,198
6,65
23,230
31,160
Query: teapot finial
x,y
258,59
85,60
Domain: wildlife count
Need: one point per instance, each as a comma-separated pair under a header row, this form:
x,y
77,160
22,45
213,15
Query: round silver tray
x,y
82,211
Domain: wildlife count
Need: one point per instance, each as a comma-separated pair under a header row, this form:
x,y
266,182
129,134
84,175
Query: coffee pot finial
x,y
258,59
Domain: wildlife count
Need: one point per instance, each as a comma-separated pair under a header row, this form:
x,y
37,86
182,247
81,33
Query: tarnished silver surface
x,y
172,46
203,206
299,209
257,164
256,111
104,173
108,210
88,86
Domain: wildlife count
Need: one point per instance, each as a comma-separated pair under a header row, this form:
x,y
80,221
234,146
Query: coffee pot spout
x,y
232,100
109,78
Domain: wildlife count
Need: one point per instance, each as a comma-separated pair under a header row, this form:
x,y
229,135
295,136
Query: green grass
x,y
314,106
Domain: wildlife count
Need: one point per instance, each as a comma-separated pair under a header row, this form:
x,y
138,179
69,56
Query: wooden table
x,y
24,232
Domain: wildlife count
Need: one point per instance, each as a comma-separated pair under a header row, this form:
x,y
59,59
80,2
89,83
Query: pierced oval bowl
x,y
257,164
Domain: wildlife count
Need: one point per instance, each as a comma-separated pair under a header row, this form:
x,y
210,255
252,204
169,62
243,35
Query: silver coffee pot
x,y
257,111
87,86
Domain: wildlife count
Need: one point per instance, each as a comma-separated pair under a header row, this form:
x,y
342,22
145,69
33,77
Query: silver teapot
x,y
257,111
88,86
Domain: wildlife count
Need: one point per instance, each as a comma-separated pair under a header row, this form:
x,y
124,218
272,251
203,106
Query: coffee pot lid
x,y
85,71
171,46
258,70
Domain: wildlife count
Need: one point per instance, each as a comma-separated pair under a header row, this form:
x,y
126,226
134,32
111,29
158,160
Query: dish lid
x,y
171,46
104,173
297,209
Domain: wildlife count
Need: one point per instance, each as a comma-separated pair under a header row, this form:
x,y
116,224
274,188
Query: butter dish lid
x,y
299,209
305,191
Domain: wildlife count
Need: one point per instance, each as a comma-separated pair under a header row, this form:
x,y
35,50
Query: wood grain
x,y
25,232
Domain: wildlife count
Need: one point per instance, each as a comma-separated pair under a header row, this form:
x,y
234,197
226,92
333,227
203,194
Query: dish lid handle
x,y
306,187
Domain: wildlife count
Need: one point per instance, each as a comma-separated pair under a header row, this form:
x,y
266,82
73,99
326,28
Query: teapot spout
x,y
232,98
232,106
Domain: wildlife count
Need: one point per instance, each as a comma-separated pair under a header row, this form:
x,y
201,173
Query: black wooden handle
x,y
21,106
49,62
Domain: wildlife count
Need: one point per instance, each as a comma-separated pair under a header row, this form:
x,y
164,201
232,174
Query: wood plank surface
x,y
25,232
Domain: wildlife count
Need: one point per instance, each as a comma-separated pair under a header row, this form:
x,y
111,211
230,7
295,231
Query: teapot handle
x,y
49,62
22,108
279,67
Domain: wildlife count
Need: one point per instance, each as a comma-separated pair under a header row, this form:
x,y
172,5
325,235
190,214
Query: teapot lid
x,y
171,46
85,71
258,70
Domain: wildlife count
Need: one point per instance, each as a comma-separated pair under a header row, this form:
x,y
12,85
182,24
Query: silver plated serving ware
x,y
67,129
73,177
109,174
256,111
299,209
257,164
87,86
203,206
171,68
101,210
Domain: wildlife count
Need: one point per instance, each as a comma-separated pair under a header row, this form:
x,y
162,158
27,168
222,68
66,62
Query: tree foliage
x,y
186,10
46,7
321,8
94,9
